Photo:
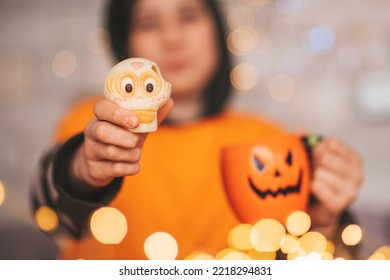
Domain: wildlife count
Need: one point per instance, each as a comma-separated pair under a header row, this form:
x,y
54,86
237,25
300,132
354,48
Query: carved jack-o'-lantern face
x,y
267,179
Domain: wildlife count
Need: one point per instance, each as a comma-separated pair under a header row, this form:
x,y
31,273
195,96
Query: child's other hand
x,y
110,150
337,176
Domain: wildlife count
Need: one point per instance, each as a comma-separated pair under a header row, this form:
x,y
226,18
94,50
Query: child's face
x,y
180,36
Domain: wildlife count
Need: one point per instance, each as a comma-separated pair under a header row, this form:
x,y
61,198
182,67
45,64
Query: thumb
x,y
165,110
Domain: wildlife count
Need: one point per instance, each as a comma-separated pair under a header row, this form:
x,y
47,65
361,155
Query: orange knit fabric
x,y
179,189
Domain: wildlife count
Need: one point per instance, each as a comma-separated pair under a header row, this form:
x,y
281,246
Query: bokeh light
x,y
349,58
298,223
239,237
242,41
289,244
256,255
281,87
108,225
385,250
330,247
289,7
295,255
46,219
312,242
377,257
199,255
161,246
2,193
98,41
64,64
382,253
240,16
327,256
221,254
243,77
352,235
266,235
320,39
310,256
236,256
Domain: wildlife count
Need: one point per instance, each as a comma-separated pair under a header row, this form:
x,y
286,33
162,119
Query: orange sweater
x,y
179,189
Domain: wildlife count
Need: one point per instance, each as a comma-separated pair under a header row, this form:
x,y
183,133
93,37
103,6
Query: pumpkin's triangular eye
x,y
289,158
259,164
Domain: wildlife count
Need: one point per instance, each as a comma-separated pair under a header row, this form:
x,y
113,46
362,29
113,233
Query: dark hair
x,y
219,88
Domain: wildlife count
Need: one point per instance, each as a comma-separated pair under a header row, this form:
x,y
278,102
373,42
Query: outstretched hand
x,y
110,150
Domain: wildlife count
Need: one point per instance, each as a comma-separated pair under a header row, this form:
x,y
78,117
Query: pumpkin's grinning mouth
x,y
281,191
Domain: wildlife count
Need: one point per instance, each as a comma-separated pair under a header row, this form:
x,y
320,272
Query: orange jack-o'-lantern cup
x,y
268,178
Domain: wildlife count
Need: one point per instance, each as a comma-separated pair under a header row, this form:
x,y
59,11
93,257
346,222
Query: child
x,y
169,180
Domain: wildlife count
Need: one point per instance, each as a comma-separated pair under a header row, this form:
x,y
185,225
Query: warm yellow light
x,y
289,244
2,193
266,235
298,254
312,242
255,255
243,77
377,257
199,255
298,223
236,256
46,219
221,254
239,237
161,246
330,247
327,256
108,225
64,64
352,235
281,87
384,250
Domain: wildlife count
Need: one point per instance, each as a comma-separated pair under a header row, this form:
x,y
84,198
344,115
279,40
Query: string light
x,y
108,225
161,246
352,235
266,235
239,237
298,223
46,219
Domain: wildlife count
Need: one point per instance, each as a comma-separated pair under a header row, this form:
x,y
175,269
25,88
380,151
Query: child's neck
x,y
186,109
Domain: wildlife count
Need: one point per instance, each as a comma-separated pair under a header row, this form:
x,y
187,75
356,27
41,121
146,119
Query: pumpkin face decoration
x,y
268,178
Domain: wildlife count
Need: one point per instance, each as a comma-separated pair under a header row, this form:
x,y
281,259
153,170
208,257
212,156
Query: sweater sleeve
x,y
49,188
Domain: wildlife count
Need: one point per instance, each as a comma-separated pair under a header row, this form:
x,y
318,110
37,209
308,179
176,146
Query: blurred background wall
x,y
318,65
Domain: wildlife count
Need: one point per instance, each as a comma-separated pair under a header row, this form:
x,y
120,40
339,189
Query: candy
x,y
136,84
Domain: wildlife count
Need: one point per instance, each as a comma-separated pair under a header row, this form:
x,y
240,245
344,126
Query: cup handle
x,y
309,142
